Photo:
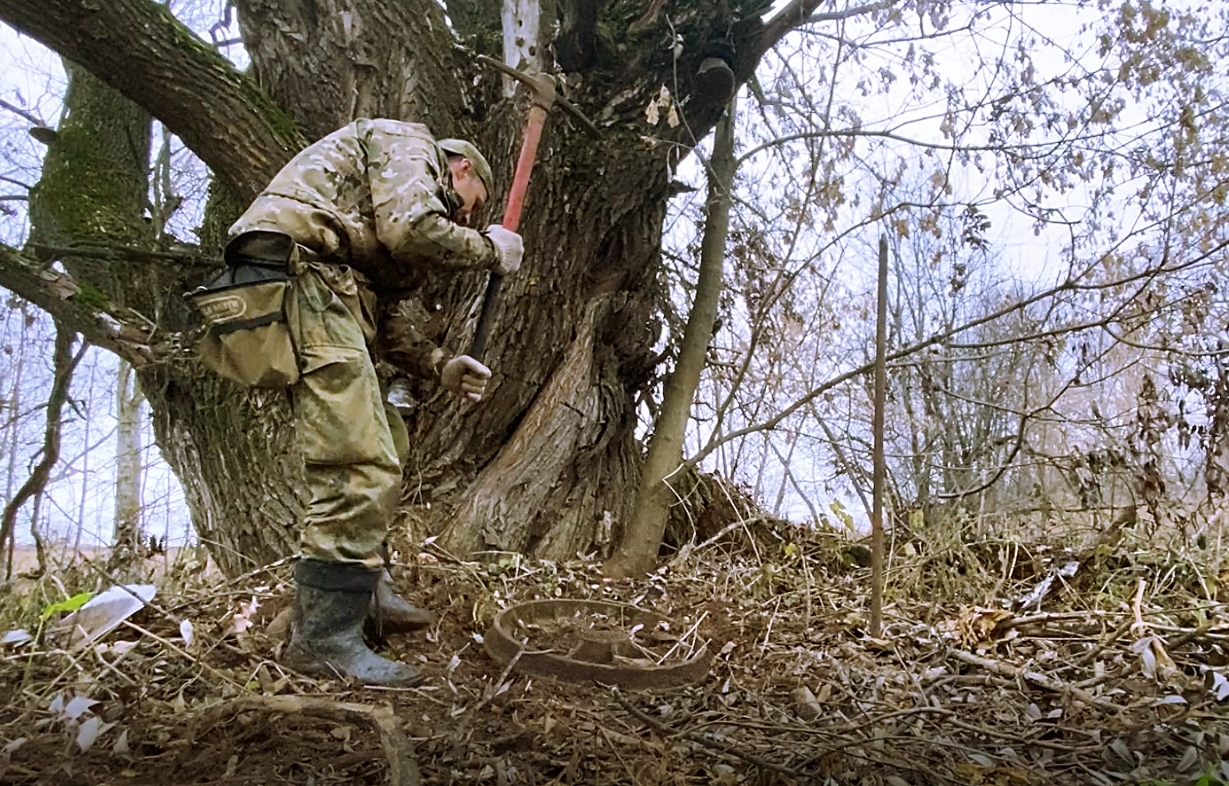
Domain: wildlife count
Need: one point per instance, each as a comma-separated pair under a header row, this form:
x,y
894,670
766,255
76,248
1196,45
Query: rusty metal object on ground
x,y
608,656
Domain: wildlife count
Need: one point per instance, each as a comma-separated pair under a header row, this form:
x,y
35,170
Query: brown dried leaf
x,y
976,625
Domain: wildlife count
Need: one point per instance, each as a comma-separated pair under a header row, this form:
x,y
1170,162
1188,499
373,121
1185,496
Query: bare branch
x,y
1070,285
18,183
802,12
141,50
792,16
65,363
101,323
23,114
850,13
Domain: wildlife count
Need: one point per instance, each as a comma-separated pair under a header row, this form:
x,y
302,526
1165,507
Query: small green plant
x,y
67,605
1211,778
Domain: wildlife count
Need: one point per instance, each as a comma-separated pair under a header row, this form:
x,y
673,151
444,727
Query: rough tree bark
x,y
551,452
94,182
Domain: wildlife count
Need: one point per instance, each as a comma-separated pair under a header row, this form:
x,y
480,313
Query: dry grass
x,y
1112,679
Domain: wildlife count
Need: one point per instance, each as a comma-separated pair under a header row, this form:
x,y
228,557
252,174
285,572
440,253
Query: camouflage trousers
x,y
353,443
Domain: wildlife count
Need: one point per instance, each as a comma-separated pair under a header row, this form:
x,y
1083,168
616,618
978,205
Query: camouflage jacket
x,y
375,195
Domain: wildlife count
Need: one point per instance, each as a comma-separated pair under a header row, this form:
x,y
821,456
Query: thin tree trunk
x,y
85,467
126,542
785,480
65,362
637,552
40,546
788,476
881,384
15,410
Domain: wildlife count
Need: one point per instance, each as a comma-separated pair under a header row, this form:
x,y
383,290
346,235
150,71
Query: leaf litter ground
x,y
1112,671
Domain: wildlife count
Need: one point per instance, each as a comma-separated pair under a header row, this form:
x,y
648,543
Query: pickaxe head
x,y
543,91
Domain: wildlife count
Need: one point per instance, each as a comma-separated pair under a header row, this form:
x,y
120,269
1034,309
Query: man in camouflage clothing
x,y
364,206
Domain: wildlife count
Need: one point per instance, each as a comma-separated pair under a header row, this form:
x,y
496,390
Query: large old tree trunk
x,y
94,188
550,454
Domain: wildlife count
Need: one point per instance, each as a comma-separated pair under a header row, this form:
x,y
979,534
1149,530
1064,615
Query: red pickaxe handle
x,y
511,222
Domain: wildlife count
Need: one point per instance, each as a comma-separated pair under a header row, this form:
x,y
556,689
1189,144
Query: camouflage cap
x,y
461,147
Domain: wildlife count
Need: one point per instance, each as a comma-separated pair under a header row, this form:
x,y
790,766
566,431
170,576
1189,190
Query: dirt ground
x,y
1117,675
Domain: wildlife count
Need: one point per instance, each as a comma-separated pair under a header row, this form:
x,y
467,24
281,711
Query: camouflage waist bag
x,y
246,338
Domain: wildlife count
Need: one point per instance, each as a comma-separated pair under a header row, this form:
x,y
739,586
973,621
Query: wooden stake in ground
x,y
881,341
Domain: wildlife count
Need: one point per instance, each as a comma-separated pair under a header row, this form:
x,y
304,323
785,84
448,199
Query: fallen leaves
x,y
794,684
977,625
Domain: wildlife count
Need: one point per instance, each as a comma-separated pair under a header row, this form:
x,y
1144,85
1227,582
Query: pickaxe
x,y
544,97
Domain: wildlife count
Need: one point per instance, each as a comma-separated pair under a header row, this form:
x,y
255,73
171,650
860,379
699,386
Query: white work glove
x,y
465,376
509,248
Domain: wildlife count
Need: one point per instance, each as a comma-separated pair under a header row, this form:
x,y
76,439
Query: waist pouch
x,y
246,337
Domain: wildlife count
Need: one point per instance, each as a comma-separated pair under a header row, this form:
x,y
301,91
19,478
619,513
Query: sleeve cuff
x,y
492,253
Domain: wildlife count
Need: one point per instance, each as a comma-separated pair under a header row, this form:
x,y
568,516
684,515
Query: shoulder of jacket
x,y
400,128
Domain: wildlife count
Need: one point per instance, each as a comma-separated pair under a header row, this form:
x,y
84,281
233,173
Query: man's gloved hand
x,y
465,376
509,248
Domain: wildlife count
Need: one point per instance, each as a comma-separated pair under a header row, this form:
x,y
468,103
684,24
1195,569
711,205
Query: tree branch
x,y
849,13
141,50
23,114
797,13
65,363
88,313
1070,285
15,182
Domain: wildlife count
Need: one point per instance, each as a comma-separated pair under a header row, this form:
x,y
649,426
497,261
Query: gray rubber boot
x,y
390,613
331,603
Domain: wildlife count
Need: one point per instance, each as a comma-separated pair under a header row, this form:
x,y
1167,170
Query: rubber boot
x,y
390,613
331,602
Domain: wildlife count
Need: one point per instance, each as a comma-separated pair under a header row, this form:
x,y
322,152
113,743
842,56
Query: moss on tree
x,y
94,178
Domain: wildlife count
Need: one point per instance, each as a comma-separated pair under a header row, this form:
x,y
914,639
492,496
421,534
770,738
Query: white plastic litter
x,y
15,638
103,614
